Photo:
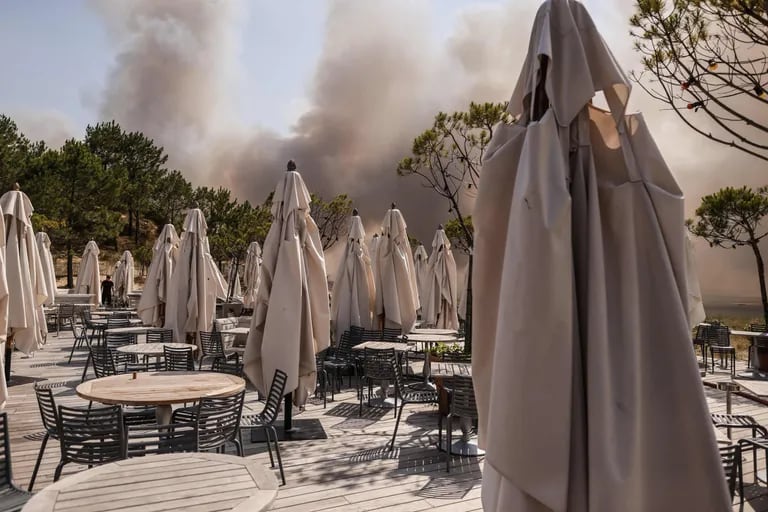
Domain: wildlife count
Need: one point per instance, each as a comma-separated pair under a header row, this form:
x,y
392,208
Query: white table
x,y
139,329
236,330
440,332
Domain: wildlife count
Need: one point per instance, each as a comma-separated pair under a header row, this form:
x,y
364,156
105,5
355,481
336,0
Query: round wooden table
x,y
175,481
152,349
159,389
431,331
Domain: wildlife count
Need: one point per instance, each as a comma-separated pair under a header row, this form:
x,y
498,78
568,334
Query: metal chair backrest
x,y
457,357
155,439
103,362
344,349
377,364
218,420
719,335
114,340
371,335
113,323
6,475
758,328
463,397
66,311
391,334
276,391
210,343
47,406
222,365
730,457
91,436
178,359
160,336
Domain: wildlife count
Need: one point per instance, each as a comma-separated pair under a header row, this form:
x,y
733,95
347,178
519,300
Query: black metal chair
x,y
761,328
730,457
65,315
341,360
222,365
160,336
178,359
49,416
114,341
719,341
217,419
462,404
80,332
322,378
212,347
266,418
90,436
155,439
391,334
12,498
377,368
416,393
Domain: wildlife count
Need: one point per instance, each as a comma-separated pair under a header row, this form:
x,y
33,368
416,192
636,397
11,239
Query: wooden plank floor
x,y
349,471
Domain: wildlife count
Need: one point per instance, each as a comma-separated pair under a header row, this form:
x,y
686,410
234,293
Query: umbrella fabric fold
x,y
397,298
3,317
696,313
352,299
124,281
233,281
421,267
218,279
46,259
157,287
251,274
291,318
88,274
191,303
580,268
27,290
439,307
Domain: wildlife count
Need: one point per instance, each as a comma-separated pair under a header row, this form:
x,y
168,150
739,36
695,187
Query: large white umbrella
x,y
696,313
421,265
157,287
124,282
397,297
219,282
440,300
195,282
88,275
291,319
46,259
233,280
580,269
3,320
352,299
27,290
251,274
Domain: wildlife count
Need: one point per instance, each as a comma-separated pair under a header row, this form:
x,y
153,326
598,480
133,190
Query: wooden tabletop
x,y
152,349
139,329
102,322
756,387
159,388
236,330
176,481
749,334
448,369
384,345
442,332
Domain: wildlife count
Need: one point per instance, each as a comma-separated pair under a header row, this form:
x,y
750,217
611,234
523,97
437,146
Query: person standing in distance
x,y
106,291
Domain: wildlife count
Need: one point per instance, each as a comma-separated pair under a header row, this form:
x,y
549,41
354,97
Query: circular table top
x,y
432,338
446,332
168,482
159,388
152,349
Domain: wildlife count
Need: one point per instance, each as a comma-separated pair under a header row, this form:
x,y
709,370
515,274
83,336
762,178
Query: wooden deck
x,y
349,471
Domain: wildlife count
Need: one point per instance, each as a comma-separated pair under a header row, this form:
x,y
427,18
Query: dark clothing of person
x,y
106,292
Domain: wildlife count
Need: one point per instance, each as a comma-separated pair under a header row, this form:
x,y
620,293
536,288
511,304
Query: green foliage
x,y
455,230
731,218
707,60
143,256
332,218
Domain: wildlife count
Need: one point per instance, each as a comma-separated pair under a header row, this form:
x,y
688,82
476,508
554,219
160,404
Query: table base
x,y
163,414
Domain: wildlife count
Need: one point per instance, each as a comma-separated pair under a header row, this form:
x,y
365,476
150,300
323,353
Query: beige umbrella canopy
x,y
191,302
441,296
397,298
88,275
46,259
420,265
157,287
27,290
352,298
580,268
251,274
219,283
5,351
124,282
696,313
234,288
291,319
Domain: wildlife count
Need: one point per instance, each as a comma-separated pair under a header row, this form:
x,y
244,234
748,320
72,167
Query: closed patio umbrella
x,y
580,269
218,279
696,313
441,297
251,274
124,281
88,274
352,298
157,287
24,274
195,282
46,259
420,264
397,298
291,319
5,348
234,289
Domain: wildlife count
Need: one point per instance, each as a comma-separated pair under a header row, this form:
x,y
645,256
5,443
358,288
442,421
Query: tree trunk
x,y
761,278
468,314
136,233
70,284
130,222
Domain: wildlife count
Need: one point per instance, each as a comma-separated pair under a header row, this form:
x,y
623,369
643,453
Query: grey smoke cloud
x,y
380,79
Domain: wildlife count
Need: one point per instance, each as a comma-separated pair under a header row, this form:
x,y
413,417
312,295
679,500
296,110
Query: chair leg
x,y
57,473
269,446
37,463
277,451
449,435
238,446
397,423
85,368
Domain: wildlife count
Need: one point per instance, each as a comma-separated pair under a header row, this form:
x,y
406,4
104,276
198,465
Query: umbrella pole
x,y
288,413
8,357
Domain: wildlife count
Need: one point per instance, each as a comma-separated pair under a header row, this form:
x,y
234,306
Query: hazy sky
x,y
232,88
